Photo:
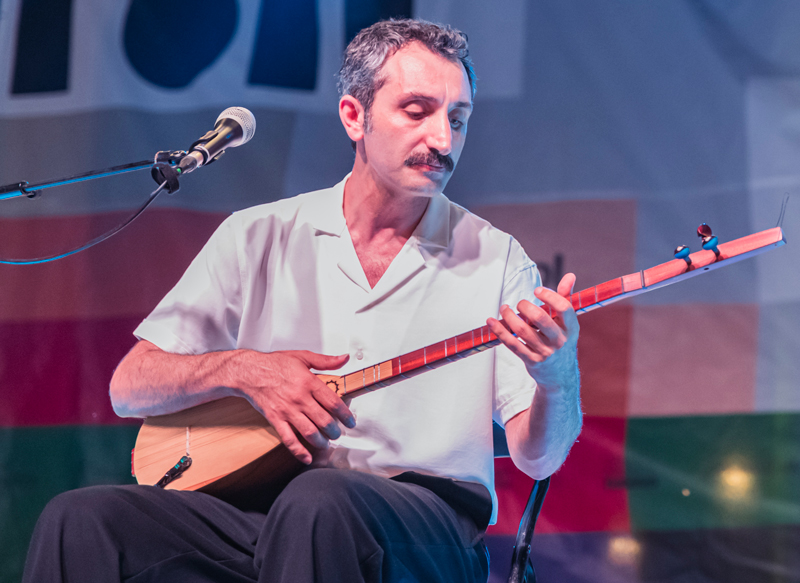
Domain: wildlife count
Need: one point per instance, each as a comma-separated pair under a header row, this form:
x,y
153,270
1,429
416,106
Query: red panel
x,y
124,276
56,373
586,494
604,355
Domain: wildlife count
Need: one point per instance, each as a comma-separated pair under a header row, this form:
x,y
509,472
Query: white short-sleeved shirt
x,y
285,276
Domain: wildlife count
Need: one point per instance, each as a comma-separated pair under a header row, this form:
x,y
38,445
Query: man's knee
x,y
77,511
324,488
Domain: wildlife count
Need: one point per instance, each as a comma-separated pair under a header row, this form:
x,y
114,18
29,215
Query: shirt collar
x,y
326,215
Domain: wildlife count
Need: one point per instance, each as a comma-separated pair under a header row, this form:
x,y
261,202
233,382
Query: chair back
x,y
522,570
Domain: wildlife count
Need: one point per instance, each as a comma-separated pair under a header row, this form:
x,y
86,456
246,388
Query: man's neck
x,y
374,213
379,220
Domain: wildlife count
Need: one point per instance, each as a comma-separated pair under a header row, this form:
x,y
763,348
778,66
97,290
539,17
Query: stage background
x,y
603,134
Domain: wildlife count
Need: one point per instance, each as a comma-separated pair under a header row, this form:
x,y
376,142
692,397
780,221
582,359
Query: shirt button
x,y
359,355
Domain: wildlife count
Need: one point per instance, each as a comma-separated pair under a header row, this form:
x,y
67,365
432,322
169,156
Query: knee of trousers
x,y
327,496
82,511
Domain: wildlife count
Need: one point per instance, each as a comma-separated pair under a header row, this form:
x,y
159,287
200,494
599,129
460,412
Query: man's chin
x,y
429,181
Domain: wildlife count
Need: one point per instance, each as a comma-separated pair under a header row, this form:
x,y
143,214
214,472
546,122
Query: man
x,y
399,484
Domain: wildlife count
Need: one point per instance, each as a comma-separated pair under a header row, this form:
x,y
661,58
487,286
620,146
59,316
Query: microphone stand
x,y
164,170
163,164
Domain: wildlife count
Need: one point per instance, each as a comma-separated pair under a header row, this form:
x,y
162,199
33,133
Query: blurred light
x,y
736,483
623,550
685,492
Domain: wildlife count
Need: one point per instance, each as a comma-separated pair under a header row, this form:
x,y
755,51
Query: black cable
x,y
94,241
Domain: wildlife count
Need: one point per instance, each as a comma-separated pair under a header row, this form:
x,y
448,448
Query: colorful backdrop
x,y
603,134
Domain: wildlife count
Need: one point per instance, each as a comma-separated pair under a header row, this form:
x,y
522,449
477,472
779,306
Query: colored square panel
x,y
693,359
56,373
593,239
778,372
39,463
723,471
755,555
126,275
604,353
586,494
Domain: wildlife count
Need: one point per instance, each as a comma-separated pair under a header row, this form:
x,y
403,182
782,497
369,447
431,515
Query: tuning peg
x,y
682,252
710,241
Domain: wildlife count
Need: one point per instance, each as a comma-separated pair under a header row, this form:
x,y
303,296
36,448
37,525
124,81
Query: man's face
x,y
418,121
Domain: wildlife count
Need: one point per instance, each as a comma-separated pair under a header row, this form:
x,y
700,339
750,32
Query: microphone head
x,y
244,118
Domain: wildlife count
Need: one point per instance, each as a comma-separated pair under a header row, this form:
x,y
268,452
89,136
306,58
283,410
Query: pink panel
x,y
694,359
595,238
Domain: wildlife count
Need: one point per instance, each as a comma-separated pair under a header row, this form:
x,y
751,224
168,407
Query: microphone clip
x,y
165,169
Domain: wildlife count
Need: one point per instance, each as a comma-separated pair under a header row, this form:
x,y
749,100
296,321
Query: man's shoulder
x,y
286,207
465,221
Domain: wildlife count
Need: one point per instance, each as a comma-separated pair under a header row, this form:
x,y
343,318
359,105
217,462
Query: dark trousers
x,y
327,526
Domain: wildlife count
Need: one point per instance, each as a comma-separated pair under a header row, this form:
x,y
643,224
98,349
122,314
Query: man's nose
x,y
440,136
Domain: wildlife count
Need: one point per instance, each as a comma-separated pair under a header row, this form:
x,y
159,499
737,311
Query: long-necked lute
x,y
226,448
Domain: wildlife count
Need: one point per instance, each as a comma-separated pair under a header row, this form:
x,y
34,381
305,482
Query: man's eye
x,y
456,123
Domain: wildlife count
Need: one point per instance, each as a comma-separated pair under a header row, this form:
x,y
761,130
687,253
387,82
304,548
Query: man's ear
x,y
351,112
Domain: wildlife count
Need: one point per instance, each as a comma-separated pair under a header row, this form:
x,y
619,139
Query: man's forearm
x,y
150,381
540,437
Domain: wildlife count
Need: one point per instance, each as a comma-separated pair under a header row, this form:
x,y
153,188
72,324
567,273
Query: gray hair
x,y
368,51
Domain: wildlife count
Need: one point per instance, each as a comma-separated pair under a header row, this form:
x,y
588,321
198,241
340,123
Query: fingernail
x,y
350,422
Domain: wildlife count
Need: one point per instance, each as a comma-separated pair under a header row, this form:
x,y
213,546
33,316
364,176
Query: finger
x,y
536,343
322,361
334,405
308,430
324,422
555,301
566,285
541,321
289,439
512,342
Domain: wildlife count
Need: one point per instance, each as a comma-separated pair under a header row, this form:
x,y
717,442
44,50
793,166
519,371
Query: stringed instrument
x,y
226,448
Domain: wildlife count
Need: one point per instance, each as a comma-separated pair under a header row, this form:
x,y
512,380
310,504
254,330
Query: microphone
x,y
234,126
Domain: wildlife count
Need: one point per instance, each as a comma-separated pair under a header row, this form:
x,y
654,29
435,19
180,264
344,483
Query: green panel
x,y
38,463
713,472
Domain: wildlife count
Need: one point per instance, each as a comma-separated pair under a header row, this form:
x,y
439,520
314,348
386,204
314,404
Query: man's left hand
x,y
547,345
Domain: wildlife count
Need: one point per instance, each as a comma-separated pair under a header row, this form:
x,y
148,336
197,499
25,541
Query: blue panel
x,y
362,13
285,52
42,60
171,43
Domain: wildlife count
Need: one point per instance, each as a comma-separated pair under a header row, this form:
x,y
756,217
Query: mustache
x,y
432,158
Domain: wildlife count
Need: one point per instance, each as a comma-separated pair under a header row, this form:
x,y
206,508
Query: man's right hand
x,y
281,386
